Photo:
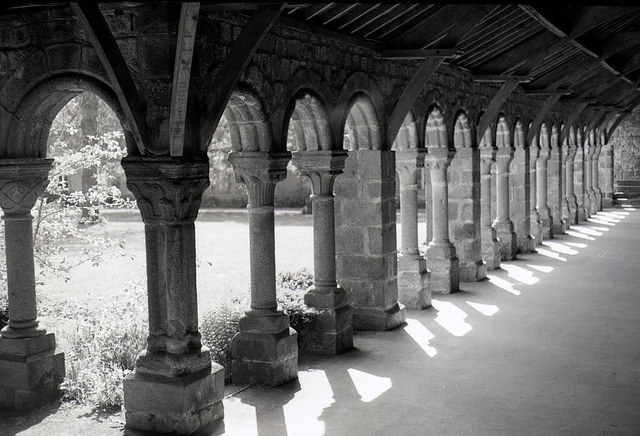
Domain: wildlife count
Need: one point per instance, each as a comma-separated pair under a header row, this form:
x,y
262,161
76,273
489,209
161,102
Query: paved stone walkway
x,y
548,345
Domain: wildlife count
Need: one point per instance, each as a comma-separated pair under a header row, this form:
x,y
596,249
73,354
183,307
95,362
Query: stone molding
x,y
168,190
22,181
321,167
260,171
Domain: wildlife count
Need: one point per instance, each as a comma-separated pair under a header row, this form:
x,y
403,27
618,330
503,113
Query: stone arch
x,y
544,137
362,91
462,135
592,137
436,129
572,136
303,82
30,124
503,133
362,128
407,137
307,117
248,125
519,135
555,137
579,136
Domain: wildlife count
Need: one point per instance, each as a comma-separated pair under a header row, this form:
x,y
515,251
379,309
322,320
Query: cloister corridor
x,y
547,345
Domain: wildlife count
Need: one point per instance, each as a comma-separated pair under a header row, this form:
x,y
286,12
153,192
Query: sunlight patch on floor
x,y
560,248
579,235
485,309
369,386
504,284
520,274
542,268
600,229
451,318
576,244
240,417
302,412
421,335
599,221
588,231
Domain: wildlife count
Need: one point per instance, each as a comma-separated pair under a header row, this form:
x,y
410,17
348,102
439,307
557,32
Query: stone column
x,y
490,242
564,203
366,246
463,180
588,180
333,330
30,367
541,194
606,175
413,279
520,199
503,223
554,190
572,202
442,261
536,224
579,183
595,184
265,352
175,387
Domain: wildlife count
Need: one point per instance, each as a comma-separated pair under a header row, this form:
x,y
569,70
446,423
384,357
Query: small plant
x,y
4,311
218,327
101,348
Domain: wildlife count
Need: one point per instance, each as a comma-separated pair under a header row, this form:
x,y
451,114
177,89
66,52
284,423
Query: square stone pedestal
x,y
329,333
180,404
30,372
265,359
561,227
526,244
413,282
379,319
444,269
473,271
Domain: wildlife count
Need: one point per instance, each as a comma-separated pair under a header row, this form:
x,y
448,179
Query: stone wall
x,y
626,148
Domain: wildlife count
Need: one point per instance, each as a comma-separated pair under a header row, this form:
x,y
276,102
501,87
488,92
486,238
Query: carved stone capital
x,y
504,156
167,190
408,163
321,167
438,159
260,171
22,181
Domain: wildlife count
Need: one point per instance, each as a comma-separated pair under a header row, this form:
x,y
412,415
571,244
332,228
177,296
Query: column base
x,y
473,271
444,275
329,333
413,282
582,214
547,227
607,199
527,244
592,203
561,227
30,372
379,319
508,241
265,359
182,404
598,201
573,214
490,248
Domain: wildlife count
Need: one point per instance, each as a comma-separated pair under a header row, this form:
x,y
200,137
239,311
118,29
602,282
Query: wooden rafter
x,y
534,129
106,47
572,119
493,108
234,64
182,75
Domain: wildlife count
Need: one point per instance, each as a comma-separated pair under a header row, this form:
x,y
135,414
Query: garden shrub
x,y
4,311
220,324
101,347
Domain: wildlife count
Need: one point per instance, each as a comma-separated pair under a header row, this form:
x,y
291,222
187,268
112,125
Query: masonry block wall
x,y
554,189
366,238
520,197
626,148
464,212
